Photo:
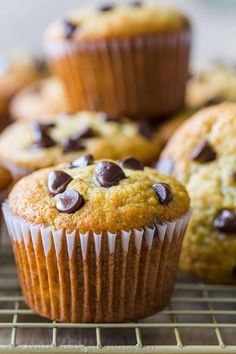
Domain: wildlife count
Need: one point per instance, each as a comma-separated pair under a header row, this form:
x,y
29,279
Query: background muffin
x,y
40,101
215,84
25,147
107,242
202,154
124,60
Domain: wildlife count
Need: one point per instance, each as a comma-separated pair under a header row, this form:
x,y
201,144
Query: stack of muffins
x,y
97,235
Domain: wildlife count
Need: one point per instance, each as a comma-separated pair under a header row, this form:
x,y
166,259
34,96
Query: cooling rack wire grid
x,y
200,319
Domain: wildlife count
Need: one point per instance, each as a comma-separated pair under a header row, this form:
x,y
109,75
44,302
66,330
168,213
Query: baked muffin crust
x,y
130,203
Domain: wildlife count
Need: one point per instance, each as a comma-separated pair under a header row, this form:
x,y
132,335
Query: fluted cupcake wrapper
x,y
17,172
90,277
139,77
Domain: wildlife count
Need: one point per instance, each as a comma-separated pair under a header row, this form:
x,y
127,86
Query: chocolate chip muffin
x,y
25,147
215,84
209,249
97,241
40,101
122,59
202,139
202,154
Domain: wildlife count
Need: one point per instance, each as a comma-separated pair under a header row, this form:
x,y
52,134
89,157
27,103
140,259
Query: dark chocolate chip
x,y
105,8
212,101
165,166
69,28
107,118
43,127
203,152
226,221
233,176
136,3
145,130
131,163
163,192
58,181
40,64
234,272
71,144
108,173
42,140
82,161
69,202
85,133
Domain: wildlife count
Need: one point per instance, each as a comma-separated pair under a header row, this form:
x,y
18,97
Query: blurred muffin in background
x,y
25,147
17,71
212,86
122,59
41,101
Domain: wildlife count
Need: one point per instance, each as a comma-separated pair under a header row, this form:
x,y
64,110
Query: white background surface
x,y
22,23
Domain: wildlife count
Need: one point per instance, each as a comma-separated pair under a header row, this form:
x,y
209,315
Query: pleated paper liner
x,y
139,77
17,172
90,277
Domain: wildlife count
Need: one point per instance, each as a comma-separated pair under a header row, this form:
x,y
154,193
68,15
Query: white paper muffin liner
x,y
90,277
140,77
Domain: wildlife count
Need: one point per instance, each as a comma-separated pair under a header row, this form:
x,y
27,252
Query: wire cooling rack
x,y
200,319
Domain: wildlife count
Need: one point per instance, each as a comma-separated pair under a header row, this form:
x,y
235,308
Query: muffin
x,y
202,139
40,101
26,147
209,249
202,154
16,72
213,85
124,60
97,241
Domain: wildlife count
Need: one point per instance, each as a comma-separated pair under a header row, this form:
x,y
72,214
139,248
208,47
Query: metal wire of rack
x,y
200,319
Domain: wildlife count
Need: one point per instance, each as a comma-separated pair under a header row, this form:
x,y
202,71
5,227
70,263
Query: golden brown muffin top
x,y
18,71
39,101
5,178
99,196
204,138
116,21
37,146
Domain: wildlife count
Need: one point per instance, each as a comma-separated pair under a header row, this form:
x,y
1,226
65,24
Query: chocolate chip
x,y
69,202
71,144
145,130
43,127
42,140
82,161
106,118
131,163
105,8
203,152
212,101
69,28
108,173
233,176
234,272
85,133
226,221
40,64
58,181
136,3
163,192
165,166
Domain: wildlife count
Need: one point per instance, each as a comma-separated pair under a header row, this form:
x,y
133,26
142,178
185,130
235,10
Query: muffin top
x,y
99,196
213,197
116,21
35,146
214,85
18,71
201,140
5,178
40,101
